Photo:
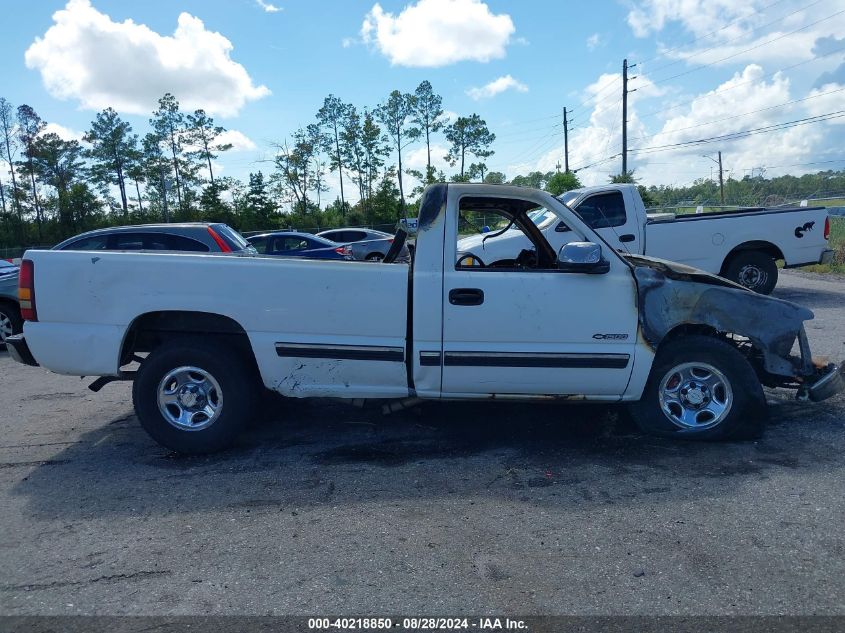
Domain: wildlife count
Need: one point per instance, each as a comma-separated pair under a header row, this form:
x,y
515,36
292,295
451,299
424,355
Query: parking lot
x,y
447,509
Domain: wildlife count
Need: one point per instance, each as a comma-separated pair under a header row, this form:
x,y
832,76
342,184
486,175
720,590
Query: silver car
x,y
367,244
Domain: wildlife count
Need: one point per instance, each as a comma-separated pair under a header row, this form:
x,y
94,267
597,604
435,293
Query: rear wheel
x,y
755,270
10,321
193,396
701,388
374,257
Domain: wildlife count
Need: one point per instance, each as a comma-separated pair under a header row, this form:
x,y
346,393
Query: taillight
x,y
26,291
346,251
827,228
224,247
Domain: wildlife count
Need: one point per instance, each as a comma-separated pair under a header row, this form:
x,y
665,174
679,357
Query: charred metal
x,y
674,296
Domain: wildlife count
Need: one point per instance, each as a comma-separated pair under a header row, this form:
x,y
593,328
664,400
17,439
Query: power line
x,y
756,46
737,135
736,116
719,30
758,28
739,85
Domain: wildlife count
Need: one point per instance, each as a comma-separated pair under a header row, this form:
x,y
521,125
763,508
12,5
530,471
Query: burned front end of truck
x,y
676,299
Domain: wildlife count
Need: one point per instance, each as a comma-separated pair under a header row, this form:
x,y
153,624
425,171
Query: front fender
x,y
669,299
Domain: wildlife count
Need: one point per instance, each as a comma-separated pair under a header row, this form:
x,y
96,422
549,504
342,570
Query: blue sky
x,y
705,68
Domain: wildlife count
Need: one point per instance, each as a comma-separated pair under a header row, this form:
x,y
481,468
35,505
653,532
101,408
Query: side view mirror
x,y
582,257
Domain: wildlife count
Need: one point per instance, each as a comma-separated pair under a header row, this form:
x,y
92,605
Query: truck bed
x,y
87,300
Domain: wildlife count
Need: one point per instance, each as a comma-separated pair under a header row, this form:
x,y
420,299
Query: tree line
x,y
51,188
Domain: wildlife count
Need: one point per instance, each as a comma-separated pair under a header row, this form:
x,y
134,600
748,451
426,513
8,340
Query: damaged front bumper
x,y
831,382
820,382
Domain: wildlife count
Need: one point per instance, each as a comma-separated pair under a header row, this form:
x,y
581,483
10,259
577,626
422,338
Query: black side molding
x,y
519,359
341,352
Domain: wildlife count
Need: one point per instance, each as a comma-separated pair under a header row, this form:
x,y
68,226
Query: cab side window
x,y
603,211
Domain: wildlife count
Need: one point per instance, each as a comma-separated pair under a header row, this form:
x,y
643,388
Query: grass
x,y
837,243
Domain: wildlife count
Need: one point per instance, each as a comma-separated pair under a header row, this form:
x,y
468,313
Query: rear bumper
x,y
826,256
19,350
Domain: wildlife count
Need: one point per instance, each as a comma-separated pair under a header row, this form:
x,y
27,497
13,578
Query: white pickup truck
x,y
688,350
742,245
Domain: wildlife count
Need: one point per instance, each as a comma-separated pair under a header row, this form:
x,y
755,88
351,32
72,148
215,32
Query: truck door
x,y
526,329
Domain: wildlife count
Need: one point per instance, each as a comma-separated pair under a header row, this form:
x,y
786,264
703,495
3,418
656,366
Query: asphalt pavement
x,y
447,509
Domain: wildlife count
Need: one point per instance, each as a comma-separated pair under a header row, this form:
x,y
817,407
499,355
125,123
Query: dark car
x,y
367,244
10,314
295,244
197,237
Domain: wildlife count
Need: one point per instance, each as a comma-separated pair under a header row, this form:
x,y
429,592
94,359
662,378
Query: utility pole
x,y
721,180
625,91
565,142
721,176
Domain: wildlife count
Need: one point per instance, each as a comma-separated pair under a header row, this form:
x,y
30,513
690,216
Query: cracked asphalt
x,y
448,509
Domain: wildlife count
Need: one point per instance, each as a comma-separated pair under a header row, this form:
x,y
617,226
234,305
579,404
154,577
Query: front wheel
x,y
755,270
701,388
193,396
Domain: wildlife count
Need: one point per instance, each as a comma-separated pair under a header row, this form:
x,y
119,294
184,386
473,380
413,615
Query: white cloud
x,y
268,7
431,33
239,141
593,41
88,57
497,86
64,133
697,16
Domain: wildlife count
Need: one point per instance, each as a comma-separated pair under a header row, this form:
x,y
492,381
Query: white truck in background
x,y
742,246
688,351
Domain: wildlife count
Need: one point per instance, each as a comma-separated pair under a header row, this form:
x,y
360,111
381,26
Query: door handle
x,y
628,237
466,296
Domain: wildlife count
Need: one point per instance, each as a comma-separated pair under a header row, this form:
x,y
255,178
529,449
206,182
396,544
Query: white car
x,y
742,245
688,351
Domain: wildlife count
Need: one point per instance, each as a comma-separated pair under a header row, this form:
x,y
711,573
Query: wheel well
x,y
150,330
755,245
742,343
379,253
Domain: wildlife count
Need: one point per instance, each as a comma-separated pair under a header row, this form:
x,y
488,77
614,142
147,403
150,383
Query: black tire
x,y
745,416
374,257
756,270
233,373
10,317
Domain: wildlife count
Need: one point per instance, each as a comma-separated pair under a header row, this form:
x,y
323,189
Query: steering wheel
x,y
396,247
527,258
477,262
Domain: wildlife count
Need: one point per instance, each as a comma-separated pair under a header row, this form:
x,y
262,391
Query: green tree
x,y
495,178
58,164
168,124
8,147
157,169
257,202
203,135
330,118
30,126
113,148
624,178
396,115
428,117
535,179
468,135
375,150
561,182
